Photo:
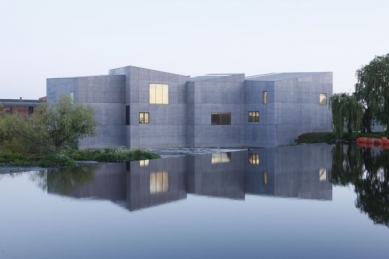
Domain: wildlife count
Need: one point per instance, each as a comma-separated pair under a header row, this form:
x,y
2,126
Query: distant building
x,y
143,108
19,106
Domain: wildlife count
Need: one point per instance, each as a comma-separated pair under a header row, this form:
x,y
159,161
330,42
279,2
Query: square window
x,y
254,159
159,93
144,117
253,116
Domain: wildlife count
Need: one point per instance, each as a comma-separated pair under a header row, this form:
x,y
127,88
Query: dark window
x,y
220,118
144,117
127,114
254,116
30,110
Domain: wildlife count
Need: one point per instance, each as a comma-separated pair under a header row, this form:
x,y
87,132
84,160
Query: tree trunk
x,y
366,121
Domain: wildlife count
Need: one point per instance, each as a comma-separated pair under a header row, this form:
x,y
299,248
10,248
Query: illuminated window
x,y
322,174
218,158
144,117
143,163
264,178
264,97
159,182
254,116
220,118
323,99
253,159
127,114
159,93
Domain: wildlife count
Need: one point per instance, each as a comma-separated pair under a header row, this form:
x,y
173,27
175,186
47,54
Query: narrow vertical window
x,y
323,99
254,116
264,97
144,117
264,178
127,114
30,110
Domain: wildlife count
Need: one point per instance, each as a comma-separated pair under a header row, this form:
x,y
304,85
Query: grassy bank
x,y
329,137
69,158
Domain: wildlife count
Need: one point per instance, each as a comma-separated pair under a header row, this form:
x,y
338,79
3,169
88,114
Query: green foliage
x,y
346,111
111,155
372,90
368,171
50,130
57,160
315,137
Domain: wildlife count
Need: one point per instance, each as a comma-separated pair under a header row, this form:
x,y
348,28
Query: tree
x,y
345,111
52,128
372,91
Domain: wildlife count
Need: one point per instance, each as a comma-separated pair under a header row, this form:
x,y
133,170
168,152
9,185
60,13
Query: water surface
x,y
311,201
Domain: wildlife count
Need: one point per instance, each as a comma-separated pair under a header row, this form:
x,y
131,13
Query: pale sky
x,y
41,39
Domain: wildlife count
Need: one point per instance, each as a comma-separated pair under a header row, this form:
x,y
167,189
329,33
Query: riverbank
x,y
69,157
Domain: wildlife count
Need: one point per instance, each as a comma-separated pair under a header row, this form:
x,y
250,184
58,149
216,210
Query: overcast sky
x,y
41,39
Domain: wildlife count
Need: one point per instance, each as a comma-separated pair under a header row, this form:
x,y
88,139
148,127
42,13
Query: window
x,y
143,163
71,96
127,114
264,97
218,158
323,99
159,94
30,110
254,116
322,174
264,179
144,117
220,118
253,159
159,182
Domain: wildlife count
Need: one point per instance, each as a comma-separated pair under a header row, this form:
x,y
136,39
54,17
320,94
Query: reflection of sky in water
x,y
35,224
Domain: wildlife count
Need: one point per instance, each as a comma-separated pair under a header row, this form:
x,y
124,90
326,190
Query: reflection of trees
x,y
65,180
368,170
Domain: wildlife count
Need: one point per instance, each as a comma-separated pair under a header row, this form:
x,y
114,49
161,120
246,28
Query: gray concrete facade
x,y
187,119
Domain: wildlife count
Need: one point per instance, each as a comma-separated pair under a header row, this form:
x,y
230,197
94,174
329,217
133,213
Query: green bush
x,y
55,160
111,155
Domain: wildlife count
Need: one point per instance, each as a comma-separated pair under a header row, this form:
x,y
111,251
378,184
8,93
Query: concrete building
x,y
143,108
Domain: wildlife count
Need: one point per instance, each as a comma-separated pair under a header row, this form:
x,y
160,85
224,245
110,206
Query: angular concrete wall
x,y
106,96
292,109
297,106
168,122
223,94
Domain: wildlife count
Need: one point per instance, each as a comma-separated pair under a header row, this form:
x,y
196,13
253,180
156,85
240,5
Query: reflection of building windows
x,y
127,114
323,99
254,116
71,96
220,118
7,111
159,93
159,182
253,159
144,163
264,97
322,174
264,178
218,158
144,117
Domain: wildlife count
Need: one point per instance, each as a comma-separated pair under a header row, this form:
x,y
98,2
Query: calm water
x,y
312,201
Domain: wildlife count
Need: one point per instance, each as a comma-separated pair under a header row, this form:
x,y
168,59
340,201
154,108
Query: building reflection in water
x,y
295,171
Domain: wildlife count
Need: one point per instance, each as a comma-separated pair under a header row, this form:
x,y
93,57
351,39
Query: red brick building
x,y
20,106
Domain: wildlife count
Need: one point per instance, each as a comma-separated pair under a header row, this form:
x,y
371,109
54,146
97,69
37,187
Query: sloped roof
x,y
208,77
281,76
